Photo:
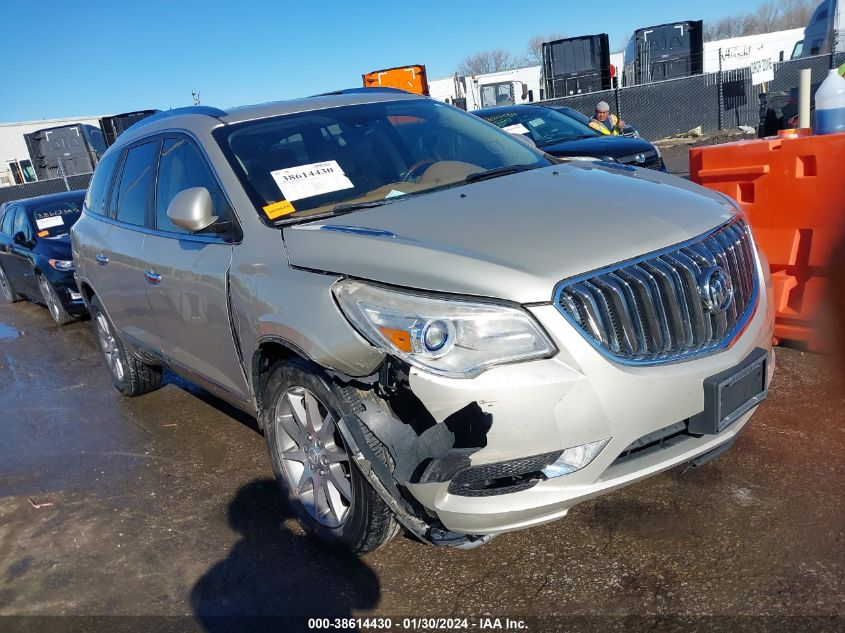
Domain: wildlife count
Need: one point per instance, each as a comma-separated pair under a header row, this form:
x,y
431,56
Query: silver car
x,y
437,327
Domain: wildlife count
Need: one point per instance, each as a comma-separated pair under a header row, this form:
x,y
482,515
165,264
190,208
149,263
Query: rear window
x,y
56,218
304,164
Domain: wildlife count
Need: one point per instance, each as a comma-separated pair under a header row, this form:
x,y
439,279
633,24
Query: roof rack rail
x,y
352,91
166,114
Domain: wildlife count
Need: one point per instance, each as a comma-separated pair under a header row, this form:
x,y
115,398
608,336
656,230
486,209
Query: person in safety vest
x,y
605,122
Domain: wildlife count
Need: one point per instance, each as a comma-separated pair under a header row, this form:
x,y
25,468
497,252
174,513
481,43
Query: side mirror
x,y
524,91
192,209
20,239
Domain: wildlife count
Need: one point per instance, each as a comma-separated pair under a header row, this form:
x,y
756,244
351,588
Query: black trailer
x,y
66,150
576,65
114,126
666,51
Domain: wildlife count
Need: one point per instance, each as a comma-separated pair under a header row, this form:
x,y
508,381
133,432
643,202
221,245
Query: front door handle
x,y
102,260
152,277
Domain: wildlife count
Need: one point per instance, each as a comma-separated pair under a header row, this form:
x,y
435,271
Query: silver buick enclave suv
x,y
436,326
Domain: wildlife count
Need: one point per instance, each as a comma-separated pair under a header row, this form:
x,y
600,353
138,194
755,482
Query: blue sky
x,y
91,58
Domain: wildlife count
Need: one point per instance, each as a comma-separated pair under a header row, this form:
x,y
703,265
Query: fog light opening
x,y
574,459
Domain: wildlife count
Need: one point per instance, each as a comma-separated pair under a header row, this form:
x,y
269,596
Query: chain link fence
x,y
713,101
44,187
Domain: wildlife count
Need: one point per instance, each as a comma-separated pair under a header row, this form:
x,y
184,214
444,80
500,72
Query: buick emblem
x,y
717,290
640,158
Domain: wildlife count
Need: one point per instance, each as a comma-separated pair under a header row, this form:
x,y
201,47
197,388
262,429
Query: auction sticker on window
x,y
516,128
46,223
310,180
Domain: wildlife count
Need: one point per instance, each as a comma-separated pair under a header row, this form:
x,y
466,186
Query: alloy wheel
x,y
49,298
5,286
313,458
109,346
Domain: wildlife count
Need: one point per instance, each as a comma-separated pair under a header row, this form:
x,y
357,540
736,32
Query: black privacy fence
x,y
713,101
44,187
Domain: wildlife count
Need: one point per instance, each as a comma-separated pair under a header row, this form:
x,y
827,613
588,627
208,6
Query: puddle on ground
x,y
7,331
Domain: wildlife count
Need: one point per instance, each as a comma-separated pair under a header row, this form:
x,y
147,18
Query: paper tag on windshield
x,y
310,180
516,128
46,223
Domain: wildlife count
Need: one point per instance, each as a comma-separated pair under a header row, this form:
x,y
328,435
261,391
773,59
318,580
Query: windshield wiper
x,y
495,173
338,209
345,207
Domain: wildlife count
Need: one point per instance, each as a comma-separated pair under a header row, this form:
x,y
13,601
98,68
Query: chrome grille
x,y
652,309
650,160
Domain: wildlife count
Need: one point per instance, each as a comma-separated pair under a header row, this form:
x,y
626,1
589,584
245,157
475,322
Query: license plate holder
x,y
732,393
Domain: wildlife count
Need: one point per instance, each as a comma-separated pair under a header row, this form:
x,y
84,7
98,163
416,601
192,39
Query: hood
x,y
600,147
513,237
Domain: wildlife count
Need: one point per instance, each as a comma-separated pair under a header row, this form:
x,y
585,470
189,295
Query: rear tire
x,y
130,376
328,494
52,301
7,289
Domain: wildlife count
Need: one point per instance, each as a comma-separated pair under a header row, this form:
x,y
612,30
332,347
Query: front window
x,y
305,164
544,126
56,218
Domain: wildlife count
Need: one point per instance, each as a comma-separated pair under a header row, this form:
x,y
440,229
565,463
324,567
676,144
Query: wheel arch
x,y
269,350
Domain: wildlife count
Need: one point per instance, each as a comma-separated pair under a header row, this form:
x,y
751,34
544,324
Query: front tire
x,y
7,289
52,301
328,494
130,376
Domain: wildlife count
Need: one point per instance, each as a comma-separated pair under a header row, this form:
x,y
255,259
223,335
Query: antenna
x,y
196,95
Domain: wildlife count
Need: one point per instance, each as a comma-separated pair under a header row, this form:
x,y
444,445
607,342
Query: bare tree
x,y
534,52
796,13
773,15
487,62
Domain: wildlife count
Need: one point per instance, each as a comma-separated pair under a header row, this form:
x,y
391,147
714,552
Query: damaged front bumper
x,y
497,477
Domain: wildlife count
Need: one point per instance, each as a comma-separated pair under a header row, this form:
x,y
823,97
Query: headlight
x,y
444,336
61,264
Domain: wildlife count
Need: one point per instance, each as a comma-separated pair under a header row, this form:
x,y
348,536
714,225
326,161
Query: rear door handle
x,y
152,277
102,260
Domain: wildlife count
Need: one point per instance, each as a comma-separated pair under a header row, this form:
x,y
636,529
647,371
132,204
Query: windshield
x,y
305,164
56,218
543,125
573,114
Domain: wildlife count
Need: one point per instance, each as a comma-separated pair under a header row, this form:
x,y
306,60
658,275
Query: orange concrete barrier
x,y
793,192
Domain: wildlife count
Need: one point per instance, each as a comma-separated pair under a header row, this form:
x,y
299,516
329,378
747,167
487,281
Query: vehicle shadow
x,y
274,579
172,378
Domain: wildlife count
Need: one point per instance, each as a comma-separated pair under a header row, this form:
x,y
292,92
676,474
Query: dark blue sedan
x,y
569,138
35,254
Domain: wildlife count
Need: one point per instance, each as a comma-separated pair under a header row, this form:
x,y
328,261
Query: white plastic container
x,y
830,104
